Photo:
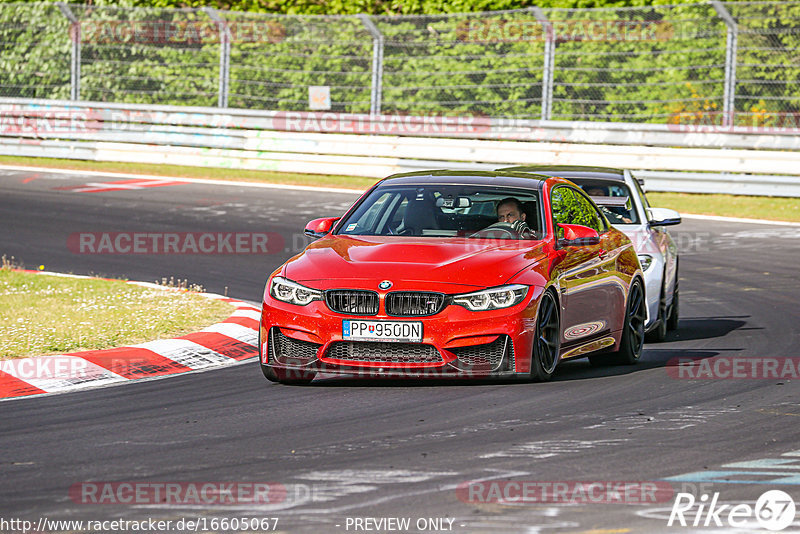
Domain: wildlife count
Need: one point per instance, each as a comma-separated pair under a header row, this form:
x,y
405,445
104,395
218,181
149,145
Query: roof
x,y
496,178
571,171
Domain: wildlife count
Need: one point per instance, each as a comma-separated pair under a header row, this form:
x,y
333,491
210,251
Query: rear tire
x,y
632,342
547,341
630,349
672,320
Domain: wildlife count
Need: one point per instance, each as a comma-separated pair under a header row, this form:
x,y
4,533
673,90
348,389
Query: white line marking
x,y
737,220
547,449
374,476
137,381
189,180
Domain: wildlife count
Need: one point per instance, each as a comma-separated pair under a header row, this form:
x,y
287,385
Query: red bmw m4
x,y
455,274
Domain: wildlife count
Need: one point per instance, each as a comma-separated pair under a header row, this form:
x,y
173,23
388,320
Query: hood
x,y
421,261
640,236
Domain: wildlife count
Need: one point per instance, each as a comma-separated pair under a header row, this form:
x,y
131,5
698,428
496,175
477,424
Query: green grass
x,y
772,208
182,171
42,314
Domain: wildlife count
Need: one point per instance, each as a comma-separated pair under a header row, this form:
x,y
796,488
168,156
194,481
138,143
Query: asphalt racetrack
x,y
342,453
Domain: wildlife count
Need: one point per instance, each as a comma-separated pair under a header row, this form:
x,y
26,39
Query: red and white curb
x,y
230,342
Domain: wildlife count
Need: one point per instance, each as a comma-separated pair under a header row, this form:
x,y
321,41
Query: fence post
x,y
75,59
377,64
224,56
549,63
731,45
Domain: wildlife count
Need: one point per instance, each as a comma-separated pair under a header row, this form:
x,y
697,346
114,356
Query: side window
x,y
367,221
590,215
571,207
565,209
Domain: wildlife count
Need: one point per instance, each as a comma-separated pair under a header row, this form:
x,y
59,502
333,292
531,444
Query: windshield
x,y
447,211
613,198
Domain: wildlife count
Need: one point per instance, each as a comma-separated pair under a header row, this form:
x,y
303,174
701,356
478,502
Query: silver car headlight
x,y
492,299
646,260
292,292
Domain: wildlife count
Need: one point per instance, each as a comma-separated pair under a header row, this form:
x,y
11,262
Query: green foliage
x,y
372,7
275,70
34,51
569,208
646,64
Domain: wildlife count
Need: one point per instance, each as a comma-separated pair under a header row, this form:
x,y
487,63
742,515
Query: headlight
x,y
646,260
492,299
292,292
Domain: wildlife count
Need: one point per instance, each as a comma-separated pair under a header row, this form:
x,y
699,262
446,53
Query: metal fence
x,y
714,63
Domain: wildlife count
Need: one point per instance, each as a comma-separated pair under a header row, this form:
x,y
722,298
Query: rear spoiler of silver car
x,y
611,202
628,173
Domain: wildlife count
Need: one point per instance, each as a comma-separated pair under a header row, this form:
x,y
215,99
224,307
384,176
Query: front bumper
x,y
653,281
456,343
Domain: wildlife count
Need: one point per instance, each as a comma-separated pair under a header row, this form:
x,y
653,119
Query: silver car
x,y
621,198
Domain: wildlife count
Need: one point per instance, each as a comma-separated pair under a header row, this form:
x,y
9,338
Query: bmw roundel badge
x,y
386,284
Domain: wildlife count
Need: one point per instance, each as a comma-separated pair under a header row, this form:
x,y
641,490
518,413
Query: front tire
x,y
547,341
291,377
659,333
284,376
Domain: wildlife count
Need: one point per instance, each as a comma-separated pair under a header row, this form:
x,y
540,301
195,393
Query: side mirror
x,y
576,235
663,217
320,227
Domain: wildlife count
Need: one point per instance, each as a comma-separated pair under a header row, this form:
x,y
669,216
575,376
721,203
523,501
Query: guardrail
x,y
732,160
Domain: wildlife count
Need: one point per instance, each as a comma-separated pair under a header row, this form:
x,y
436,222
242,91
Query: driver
x,y
510,210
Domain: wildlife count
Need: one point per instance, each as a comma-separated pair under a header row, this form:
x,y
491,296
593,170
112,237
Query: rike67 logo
x,y
774,510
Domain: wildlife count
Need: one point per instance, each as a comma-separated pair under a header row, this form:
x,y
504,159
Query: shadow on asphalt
x,y
693,328
651,359
656,355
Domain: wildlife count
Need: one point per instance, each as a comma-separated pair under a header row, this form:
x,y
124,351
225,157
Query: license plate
x,y
400,331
